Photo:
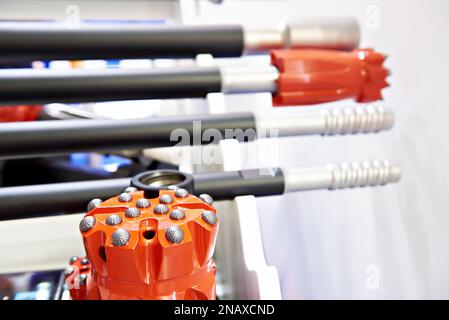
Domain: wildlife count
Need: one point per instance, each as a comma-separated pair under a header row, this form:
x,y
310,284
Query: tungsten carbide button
x,y
93,204
130,189
87,223
206,198
160,209
174,234
120,237
84,261
132,212
113,220
125,197
73,259
181,193
166,199
209,216
177,214
68,271
82,279
173,187
143,203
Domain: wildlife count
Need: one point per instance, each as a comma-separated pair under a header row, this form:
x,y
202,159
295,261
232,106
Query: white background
x,y
390,242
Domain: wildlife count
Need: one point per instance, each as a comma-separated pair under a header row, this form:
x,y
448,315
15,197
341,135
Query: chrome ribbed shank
x,y
358,119
340,176
326,121
361,174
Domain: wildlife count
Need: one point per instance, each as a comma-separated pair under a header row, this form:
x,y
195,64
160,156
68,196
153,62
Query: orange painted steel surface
x,y
141,248
19,113
79,281
317,76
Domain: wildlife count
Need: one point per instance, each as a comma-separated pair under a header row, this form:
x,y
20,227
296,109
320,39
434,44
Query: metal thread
x,y
358,119
362,174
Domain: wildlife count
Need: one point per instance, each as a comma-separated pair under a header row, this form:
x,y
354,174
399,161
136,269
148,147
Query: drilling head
x,y
317,76
147,248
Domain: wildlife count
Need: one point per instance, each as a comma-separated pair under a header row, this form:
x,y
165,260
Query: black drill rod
x,y
72,197
43,138
45,42
31,86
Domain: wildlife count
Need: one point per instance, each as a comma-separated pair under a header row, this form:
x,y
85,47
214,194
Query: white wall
x,y
65,10
334,244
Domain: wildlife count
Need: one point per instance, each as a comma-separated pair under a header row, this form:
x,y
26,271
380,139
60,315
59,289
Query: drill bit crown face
x,y
313,76
149,248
